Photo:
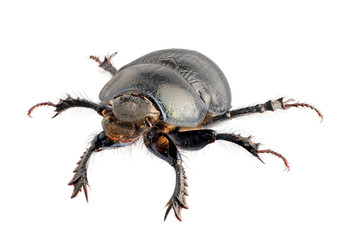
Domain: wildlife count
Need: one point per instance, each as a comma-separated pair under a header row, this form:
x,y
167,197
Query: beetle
x,y
169,98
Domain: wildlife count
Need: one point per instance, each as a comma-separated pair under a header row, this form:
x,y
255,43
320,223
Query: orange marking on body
x,y
165,129
162,144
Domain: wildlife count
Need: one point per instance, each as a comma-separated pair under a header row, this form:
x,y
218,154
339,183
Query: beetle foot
x,y
250,146
67,103
38,105
287,105
177,201
60,107
287,167
80,179
106,64
96,59
253,148
79,183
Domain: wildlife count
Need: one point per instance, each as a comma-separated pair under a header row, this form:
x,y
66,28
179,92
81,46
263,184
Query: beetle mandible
x,y
168,97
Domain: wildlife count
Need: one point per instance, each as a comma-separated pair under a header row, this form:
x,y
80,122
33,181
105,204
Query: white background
x,y
266,49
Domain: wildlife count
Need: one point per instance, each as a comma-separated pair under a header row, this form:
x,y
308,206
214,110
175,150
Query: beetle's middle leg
x,y
163,147
197,139
271,105
70,102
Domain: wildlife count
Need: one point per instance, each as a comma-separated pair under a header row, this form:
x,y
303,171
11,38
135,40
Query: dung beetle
x,y
168,97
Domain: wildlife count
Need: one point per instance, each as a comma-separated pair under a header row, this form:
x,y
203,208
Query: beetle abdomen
x,y
202,73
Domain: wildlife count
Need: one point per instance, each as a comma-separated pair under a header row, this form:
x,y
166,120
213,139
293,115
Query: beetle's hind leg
x,y
197,139
106,64
271,105
70,102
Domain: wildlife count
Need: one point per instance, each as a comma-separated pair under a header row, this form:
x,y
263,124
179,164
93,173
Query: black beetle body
x,y
184,84
167,97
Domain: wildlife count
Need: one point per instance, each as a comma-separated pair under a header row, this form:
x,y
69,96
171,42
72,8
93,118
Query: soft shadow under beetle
x,y
168,97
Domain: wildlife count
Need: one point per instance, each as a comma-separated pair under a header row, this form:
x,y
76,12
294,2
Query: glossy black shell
x,y
185,85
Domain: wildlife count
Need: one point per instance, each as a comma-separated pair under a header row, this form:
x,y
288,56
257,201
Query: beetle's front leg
x,y
162,146
80,179
70,102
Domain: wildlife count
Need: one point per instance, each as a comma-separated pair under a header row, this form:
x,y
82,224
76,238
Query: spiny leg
x,y
80,179
197,139
70,102
177,200
162,146
270,105
106,64
250,146
304,105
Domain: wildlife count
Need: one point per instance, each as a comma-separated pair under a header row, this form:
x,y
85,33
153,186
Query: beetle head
x,y
131,115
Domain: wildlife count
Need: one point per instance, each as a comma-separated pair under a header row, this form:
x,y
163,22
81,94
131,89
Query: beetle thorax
x,y
131,115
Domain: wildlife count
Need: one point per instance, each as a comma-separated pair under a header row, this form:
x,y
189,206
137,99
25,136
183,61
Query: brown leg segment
x,y
278,155
39,105
304,105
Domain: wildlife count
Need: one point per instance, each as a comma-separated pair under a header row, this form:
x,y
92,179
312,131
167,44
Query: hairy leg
x,y
197,139
271,105
70,102
162,146
80,179
106,64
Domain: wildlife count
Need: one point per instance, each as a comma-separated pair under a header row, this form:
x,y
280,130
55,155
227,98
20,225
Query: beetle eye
x,y
149,135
